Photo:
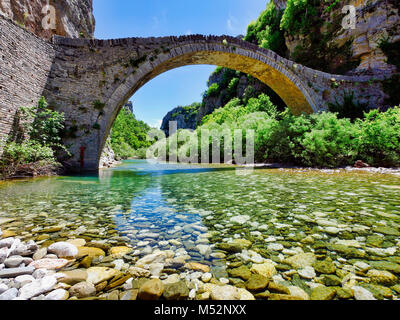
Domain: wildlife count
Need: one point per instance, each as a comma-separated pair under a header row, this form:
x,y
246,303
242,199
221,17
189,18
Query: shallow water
x,y
194,207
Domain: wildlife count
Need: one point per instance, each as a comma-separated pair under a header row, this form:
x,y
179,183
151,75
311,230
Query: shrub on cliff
x,y
213,90
266,31
298,15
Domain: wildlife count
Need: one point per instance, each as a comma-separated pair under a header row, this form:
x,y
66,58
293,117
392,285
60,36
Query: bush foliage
x,y
38,142
128,135
318,140
266,31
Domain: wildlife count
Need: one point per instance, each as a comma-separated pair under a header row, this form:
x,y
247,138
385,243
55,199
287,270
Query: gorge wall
x,y
73,18
185,118
376,21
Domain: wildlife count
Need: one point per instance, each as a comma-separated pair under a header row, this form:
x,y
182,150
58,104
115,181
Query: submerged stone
x,y
225,293
382,277
176,291
151,290
325,266
257,282
241,272
390,231
385,265
322,293
347,252
301,261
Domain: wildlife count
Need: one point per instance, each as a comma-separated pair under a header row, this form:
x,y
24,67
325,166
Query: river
x,y
206,213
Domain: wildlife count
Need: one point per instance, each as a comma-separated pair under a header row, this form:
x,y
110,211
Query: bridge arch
x,y
262,64
123,66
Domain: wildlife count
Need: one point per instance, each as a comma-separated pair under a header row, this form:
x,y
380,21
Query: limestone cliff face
x,y
74,18
185,117
376,21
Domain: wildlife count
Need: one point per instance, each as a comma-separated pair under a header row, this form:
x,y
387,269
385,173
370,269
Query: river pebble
x,y
326,241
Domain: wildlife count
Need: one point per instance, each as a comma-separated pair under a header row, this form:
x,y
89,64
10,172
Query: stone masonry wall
x,y
25,63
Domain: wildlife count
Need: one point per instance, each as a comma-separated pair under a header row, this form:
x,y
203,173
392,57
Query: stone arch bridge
x,y
90,80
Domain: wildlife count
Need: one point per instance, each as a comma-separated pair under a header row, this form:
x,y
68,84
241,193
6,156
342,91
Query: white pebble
x,y
3,288
206,277
23,280
307,273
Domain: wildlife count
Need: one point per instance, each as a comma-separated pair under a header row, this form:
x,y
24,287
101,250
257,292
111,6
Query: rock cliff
x,y
342,50
244,88
107,158
73,18
186,118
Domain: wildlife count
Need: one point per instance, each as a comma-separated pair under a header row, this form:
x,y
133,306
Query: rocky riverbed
x,y
139,232
78,269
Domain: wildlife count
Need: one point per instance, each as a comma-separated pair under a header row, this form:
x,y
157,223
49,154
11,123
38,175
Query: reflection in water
x,y
192,207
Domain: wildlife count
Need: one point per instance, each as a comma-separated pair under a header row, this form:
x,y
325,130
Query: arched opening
x,y
266,66
180,95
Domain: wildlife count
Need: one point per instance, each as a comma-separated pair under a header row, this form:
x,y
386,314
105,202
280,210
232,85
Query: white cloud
x,y
232,23
156,124
160,19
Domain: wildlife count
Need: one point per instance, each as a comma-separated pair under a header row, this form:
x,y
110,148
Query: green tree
x,y
128,135
266,31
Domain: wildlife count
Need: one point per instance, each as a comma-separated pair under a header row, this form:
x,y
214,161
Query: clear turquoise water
x,y
148,205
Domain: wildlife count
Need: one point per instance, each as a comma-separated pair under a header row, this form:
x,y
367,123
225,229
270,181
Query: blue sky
x,y
156,18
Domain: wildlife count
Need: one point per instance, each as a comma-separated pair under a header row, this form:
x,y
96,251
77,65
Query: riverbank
x,y
368,169
35,170
32,170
